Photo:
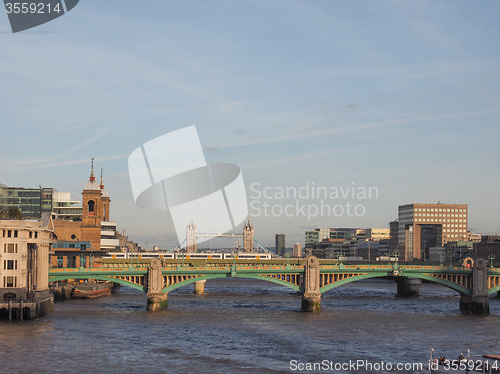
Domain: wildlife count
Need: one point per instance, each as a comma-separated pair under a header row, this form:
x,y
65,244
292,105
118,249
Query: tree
x,y
15,213
10,213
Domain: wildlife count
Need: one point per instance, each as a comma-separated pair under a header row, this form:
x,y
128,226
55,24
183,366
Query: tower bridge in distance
x,y
310,277
249,241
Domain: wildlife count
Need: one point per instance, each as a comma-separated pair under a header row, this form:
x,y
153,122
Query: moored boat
x,y
90,290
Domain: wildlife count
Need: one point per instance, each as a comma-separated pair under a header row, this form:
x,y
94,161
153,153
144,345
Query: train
x,y
187,256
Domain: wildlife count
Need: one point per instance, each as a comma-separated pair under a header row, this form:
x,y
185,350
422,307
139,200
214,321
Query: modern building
x,y
297,250
24,267
488,248
63,207
32,202
368,250
336,248
393,235
422,226
313,238
280,246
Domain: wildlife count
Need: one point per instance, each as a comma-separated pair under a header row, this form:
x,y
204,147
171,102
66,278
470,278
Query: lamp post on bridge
x,y
492,257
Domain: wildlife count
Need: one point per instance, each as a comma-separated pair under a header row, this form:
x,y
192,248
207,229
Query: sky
x,y
401,97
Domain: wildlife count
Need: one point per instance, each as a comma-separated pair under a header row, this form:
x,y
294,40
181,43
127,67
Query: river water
x,y
248,326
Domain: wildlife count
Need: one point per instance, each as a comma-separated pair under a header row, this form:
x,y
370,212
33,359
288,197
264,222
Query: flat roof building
x,y
422,226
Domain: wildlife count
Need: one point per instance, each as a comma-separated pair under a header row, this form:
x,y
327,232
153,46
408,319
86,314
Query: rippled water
x,y
245,326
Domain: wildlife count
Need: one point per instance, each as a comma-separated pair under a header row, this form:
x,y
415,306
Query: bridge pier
x,y
408,286
478,302
157,300
311,299
199,287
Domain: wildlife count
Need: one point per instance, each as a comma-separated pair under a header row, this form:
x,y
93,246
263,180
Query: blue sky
x,y
400,95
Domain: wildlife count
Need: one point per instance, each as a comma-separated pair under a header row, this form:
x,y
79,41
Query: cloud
x,y
232,106
38,163
347,129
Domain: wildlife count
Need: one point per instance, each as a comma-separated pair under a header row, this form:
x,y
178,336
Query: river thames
x,y
247,326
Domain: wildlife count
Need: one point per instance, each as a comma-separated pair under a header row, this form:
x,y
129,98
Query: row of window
x,y
440,210
15,233
440,215
9,281
441,220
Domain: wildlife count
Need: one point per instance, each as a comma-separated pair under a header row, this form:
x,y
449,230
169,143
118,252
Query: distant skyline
x,y
400,96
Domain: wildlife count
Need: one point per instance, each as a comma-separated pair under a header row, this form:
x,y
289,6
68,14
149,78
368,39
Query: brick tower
x,y
92,212
105,200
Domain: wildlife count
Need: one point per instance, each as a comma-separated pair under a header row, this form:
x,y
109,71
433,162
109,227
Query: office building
x,y
422,226
280,244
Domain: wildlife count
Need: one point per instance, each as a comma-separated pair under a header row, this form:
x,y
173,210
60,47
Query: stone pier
x,y
478,302
408,286
199,287
157,300
311,299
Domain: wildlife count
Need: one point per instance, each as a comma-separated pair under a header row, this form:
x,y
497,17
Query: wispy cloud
x,y
348,129
52,161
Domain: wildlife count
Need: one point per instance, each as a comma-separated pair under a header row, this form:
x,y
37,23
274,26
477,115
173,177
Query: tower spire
x,y
92,176
102,184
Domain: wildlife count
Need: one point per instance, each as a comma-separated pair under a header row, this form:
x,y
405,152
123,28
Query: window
x,y
15,233
9,233
36,234
31,234
91,207
10,264
10,281
10,248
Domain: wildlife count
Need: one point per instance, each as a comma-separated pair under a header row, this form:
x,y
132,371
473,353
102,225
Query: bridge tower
x,y
478,302
248,237
311,299
191,244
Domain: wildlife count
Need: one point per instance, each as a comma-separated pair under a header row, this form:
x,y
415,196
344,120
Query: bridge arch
x,y
243,276
460,289
99,277
493,290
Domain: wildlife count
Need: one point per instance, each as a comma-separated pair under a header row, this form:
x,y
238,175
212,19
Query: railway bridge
x,y
309,277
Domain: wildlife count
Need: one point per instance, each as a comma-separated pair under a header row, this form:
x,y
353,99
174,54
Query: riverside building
x,y
422,226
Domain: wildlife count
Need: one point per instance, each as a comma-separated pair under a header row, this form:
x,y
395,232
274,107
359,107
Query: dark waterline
x,y
245,326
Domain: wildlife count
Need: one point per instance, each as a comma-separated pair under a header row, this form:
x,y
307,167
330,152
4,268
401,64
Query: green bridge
x,y
311,277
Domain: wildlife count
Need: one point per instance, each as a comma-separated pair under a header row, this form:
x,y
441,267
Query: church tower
x,y
92,211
